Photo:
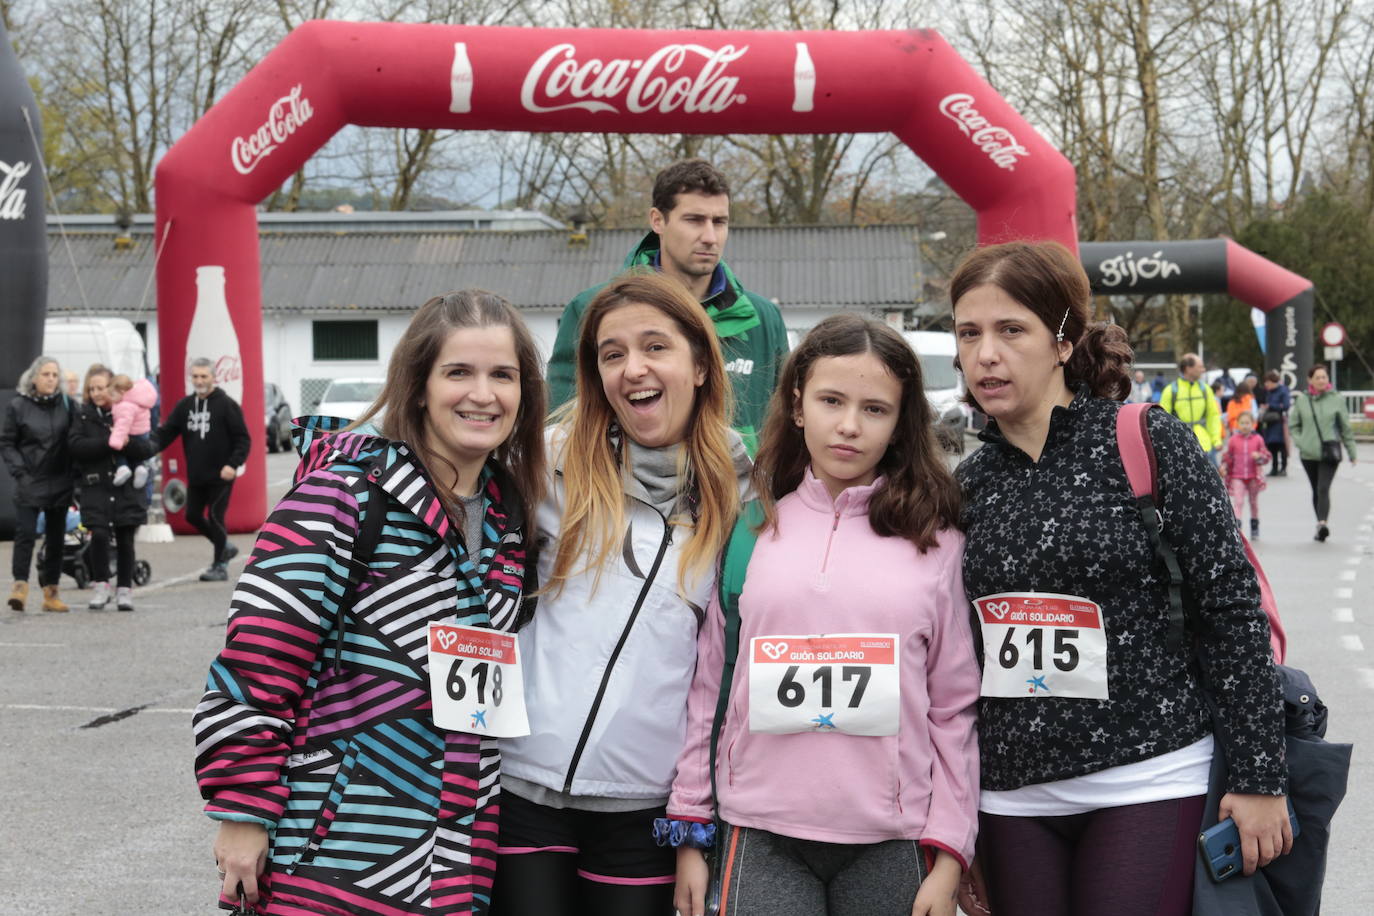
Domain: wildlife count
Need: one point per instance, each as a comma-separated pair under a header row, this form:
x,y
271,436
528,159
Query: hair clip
x,y
1059,335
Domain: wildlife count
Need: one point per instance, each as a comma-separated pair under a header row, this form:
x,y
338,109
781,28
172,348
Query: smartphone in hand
x,y
1219,846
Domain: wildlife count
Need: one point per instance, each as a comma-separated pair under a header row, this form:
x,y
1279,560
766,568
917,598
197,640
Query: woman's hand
x,y
973,891
1262,820
241,855
937,893
692,876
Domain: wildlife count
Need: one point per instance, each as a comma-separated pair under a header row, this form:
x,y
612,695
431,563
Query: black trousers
x,y
205,507
1320,474
1279,452
26,532
124,553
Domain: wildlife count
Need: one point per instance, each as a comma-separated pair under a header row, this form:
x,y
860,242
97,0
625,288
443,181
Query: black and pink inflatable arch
x,y
1214,266
326,75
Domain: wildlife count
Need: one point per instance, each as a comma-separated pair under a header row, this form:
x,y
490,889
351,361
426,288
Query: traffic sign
x,y
1333,335
1335,353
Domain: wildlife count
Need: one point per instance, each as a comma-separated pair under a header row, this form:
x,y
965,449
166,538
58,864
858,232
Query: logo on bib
x,y
446,638
774,650
998,609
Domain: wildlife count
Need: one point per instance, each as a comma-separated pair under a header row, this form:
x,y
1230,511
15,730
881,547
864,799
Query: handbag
x,y
1331,448
1318,770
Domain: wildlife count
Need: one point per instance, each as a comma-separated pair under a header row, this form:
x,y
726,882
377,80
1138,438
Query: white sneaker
x,y
140,476
122,475
101,597
124,599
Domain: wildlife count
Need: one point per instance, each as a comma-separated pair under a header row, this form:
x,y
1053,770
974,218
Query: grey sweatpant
x,y
764,874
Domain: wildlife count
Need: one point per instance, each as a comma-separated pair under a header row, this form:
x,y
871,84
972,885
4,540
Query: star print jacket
x,y
1068,524
827,572
373,808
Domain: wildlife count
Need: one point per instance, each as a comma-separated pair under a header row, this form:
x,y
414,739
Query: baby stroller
x,y
76,555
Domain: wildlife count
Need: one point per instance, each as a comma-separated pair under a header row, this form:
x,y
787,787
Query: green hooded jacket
x,y
1313,419
752,337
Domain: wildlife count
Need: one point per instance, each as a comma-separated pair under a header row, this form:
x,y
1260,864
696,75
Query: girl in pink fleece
x,y
847,765
132,411
1242,466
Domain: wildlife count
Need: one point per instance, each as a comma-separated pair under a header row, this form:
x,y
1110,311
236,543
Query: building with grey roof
x,y
334,302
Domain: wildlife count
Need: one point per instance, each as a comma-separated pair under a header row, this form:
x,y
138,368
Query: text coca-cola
x,y
285,116
646,84
997,142
12,197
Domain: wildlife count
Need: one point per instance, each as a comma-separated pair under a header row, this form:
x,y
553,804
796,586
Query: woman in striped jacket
x,y
317,748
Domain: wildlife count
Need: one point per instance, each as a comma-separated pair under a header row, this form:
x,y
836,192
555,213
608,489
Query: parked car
x,y
278,418
944,388
349,397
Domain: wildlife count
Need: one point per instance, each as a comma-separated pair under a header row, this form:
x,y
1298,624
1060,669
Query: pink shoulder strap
x,y
1137,454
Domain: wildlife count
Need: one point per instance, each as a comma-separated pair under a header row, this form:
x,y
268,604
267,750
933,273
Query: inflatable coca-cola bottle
x,y
23,241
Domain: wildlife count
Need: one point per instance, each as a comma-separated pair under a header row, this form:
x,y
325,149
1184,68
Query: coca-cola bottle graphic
x,y
212,333
460,80
803,80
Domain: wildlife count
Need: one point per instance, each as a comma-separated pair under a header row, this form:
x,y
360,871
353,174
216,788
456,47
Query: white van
x,y
76,343
944,387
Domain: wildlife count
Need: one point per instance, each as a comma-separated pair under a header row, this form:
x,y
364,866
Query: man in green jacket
x,y
1189,399
688,224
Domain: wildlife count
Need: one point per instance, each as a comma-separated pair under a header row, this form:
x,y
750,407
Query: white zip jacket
x,y
607,671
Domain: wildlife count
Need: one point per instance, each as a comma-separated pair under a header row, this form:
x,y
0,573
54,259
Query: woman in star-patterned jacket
x,y
1096,740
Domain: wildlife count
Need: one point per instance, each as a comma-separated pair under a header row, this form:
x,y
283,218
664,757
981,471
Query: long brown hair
x,y
919,496
593,473
404,420
1046,278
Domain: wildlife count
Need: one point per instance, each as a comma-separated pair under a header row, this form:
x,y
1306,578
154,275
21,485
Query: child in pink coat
x,y
132,408
1242,465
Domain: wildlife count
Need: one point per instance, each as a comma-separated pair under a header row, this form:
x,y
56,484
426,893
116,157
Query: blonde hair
x,y
593,471
121,383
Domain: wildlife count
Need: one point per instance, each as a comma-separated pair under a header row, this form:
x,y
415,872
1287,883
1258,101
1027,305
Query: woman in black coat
x,y
33,444
105,508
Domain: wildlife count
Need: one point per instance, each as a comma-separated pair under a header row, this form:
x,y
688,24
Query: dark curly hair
x,y
1046,278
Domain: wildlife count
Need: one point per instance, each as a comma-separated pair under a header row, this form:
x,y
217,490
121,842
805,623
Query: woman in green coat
x,y
1319,425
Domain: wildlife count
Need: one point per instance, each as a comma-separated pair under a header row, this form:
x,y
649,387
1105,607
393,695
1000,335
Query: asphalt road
x,y
99,811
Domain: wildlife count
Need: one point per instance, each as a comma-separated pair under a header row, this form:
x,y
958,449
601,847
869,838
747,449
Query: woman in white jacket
x,y
647,476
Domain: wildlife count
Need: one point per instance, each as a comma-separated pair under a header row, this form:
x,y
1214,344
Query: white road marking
x,y
1345,593
181,580
1352,642
1343,614
1354,561
1367,675
34,645
1348,575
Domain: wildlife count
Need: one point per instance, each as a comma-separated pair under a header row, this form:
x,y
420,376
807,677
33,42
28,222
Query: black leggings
x,y
547,884
124,553
1279,452
205,505
26,532
1320,474
1134,860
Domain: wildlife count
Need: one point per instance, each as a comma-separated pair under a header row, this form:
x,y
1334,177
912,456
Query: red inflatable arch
x,y
325,75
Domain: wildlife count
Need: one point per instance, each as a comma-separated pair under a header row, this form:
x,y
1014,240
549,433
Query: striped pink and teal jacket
x,y
372,808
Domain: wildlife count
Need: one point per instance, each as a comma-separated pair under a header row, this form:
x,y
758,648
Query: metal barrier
x,y
1354,403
